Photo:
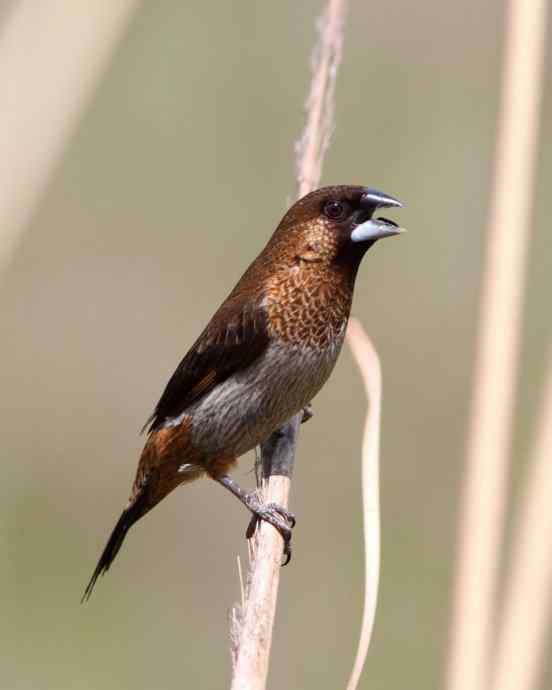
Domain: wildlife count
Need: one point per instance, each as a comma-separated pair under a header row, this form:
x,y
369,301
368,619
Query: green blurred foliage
x,y
176,177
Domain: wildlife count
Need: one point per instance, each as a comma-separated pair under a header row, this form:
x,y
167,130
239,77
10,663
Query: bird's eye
x,y
335,210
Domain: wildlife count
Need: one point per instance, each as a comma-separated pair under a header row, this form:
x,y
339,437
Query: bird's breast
x,y
308,305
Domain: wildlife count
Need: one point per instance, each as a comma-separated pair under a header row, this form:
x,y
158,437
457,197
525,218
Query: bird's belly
x,y
245,409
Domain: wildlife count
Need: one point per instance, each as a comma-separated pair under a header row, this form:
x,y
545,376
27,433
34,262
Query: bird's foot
x,y
276,515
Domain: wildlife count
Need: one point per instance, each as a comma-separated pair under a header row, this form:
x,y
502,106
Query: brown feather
x,y
234,339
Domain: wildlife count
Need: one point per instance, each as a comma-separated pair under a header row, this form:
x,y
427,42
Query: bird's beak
x,y
377,228
373,198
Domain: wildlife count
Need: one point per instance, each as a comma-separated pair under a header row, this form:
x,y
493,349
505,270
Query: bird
x,y
261,359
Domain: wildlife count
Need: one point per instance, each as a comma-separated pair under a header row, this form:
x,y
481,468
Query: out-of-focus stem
x,y
52,56
369,365
528,601
485,490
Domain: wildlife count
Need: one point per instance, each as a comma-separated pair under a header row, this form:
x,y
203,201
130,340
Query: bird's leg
x,y
276,515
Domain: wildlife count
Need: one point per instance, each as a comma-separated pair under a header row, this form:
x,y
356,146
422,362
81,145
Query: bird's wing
x,y
235,337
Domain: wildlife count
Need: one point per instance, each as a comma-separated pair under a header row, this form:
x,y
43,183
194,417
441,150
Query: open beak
x,y
373,229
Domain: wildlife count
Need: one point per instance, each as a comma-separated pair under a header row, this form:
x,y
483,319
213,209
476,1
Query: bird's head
x,y
337,223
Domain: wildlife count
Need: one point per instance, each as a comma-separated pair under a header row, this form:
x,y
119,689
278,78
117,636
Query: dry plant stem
x,y
482,508
369,365
52,56
320,105
528,601
252,625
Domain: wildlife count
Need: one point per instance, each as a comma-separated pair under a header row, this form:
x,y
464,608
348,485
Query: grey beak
x,y
374,230
373,198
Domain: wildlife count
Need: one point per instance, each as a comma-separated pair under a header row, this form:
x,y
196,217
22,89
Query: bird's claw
x,y
277,516
307,413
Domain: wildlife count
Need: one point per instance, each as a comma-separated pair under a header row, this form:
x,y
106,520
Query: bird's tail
x,y
128,517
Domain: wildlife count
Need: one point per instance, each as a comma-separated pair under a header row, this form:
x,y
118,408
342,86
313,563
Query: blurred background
x,y
176,176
